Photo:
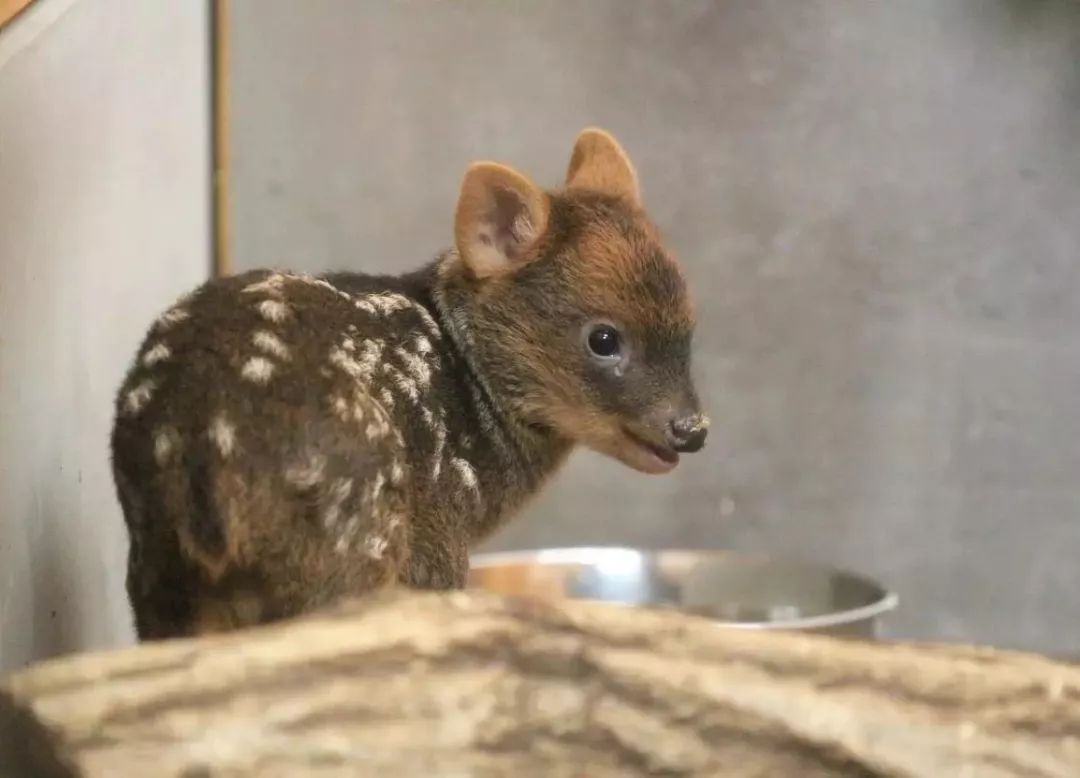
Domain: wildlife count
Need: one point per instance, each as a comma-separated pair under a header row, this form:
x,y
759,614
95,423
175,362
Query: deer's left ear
x,y
500,215
599,163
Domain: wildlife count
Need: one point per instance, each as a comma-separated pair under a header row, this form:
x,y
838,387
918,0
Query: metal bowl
x,y
734,589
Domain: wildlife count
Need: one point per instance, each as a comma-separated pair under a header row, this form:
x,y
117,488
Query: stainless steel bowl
x,y
735,589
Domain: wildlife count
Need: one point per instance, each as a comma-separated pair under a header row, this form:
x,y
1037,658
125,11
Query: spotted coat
x,y
283,439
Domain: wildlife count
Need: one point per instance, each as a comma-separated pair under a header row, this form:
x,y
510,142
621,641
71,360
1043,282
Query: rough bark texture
x,y
475,685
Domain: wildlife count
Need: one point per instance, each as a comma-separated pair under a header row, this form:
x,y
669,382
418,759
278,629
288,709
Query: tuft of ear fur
x,y
600,163
500,214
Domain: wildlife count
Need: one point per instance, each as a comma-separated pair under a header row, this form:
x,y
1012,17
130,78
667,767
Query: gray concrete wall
x,y
103,220
878,204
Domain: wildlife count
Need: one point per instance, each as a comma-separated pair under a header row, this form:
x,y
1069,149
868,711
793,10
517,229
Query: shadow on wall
x,y
54,597
1025,21
55,614
104,193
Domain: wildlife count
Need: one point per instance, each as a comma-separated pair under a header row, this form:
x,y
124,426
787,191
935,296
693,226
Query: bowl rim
x,y
887,600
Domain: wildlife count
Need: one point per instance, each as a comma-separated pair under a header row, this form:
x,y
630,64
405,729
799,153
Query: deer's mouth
x,y
644,455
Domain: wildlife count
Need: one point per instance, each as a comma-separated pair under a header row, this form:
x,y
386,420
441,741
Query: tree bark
x,y
469,684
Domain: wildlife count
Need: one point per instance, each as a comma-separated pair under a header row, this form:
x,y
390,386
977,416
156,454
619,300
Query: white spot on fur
x,y
372,350
376,487
393,524
429,418
387,399
397,473
378,427
137,398
258,370
431,325
165,440
346,363
339,492
346,534
322,283
467,473
223,434
403,382
348,344
270,285
422,345
418,368
307,475
361,367
440,442
342,408
383,304
373,431
273,310
374,546
172,316
271,344
389,303
341,489
158,353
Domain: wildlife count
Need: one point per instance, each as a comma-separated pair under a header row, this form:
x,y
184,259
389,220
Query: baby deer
x,y
282,440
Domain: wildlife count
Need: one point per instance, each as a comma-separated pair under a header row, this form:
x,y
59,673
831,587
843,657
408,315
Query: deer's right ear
x,y
500,215
600,163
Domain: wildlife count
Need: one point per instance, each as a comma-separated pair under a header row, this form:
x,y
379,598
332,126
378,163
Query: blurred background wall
x,y
104,206
879,208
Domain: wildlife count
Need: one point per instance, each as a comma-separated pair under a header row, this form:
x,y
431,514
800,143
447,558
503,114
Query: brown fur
x,y
283,440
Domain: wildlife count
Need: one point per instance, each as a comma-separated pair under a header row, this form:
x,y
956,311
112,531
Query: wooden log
x,y
469,684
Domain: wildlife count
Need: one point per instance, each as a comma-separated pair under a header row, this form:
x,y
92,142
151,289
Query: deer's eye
x,y
604,341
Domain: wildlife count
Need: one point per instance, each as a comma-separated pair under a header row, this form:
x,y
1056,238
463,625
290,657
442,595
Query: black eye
x,y
604,341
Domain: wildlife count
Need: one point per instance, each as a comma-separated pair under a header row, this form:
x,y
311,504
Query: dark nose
x,y
687,434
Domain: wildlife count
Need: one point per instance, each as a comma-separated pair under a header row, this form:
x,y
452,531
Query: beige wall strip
x,y
219,21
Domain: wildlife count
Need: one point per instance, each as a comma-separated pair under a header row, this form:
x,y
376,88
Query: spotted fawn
x,y
282,440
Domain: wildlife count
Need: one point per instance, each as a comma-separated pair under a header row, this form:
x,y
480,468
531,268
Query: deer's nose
x,y
687,434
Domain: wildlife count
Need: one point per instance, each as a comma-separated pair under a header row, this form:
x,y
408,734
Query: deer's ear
x,y
500,215
599,163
